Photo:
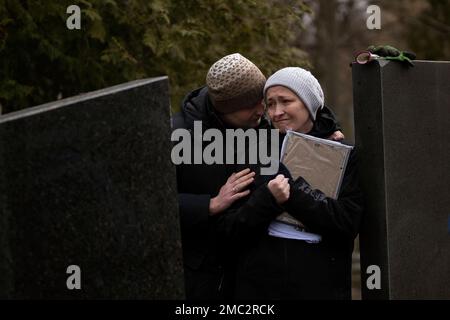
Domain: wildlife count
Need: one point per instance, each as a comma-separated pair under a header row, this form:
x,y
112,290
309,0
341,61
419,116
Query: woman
x,y
277,268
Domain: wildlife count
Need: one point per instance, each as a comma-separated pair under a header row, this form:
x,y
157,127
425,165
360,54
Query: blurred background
x,y
41,60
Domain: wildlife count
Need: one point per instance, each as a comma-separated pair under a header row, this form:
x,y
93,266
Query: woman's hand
x,y
279,187
231,191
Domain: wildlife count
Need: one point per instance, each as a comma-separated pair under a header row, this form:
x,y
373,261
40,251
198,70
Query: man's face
x,y
245,118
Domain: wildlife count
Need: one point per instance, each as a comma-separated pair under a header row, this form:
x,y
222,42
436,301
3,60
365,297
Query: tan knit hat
x,y
234,83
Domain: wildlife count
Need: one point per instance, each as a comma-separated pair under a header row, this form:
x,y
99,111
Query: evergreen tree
x,y
123,40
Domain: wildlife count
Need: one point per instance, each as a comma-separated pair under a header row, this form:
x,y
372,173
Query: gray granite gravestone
x,y
88,181
402,126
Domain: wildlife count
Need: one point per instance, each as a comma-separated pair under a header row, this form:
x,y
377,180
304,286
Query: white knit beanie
x,y
302,83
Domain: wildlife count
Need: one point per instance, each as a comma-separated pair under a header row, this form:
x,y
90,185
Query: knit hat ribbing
x,y
234,83
302,83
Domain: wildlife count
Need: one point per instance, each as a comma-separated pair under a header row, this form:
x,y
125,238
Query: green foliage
x,y
123,40
429,34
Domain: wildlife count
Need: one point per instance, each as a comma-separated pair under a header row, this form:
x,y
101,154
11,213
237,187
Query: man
x,y
232,98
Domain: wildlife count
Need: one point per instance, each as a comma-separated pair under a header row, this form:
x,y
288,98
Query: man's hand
x,y
336,136
279,187
231,191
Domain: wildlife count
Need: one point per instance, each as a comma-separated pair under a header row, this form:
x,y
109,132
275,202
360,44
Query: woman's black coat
x,y
265,267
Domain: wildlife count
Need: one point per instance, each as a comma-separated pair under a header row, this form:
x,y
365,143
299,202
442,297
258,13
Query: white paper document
x,y
288,231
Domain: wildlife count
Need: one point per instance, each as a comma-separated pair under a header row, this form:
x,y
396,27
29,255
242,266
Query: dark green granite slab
x,y
88,181
402,122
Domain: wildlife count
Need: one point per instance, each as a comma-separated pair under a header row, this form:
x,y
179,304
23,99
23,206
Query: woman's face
x,y
287,111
